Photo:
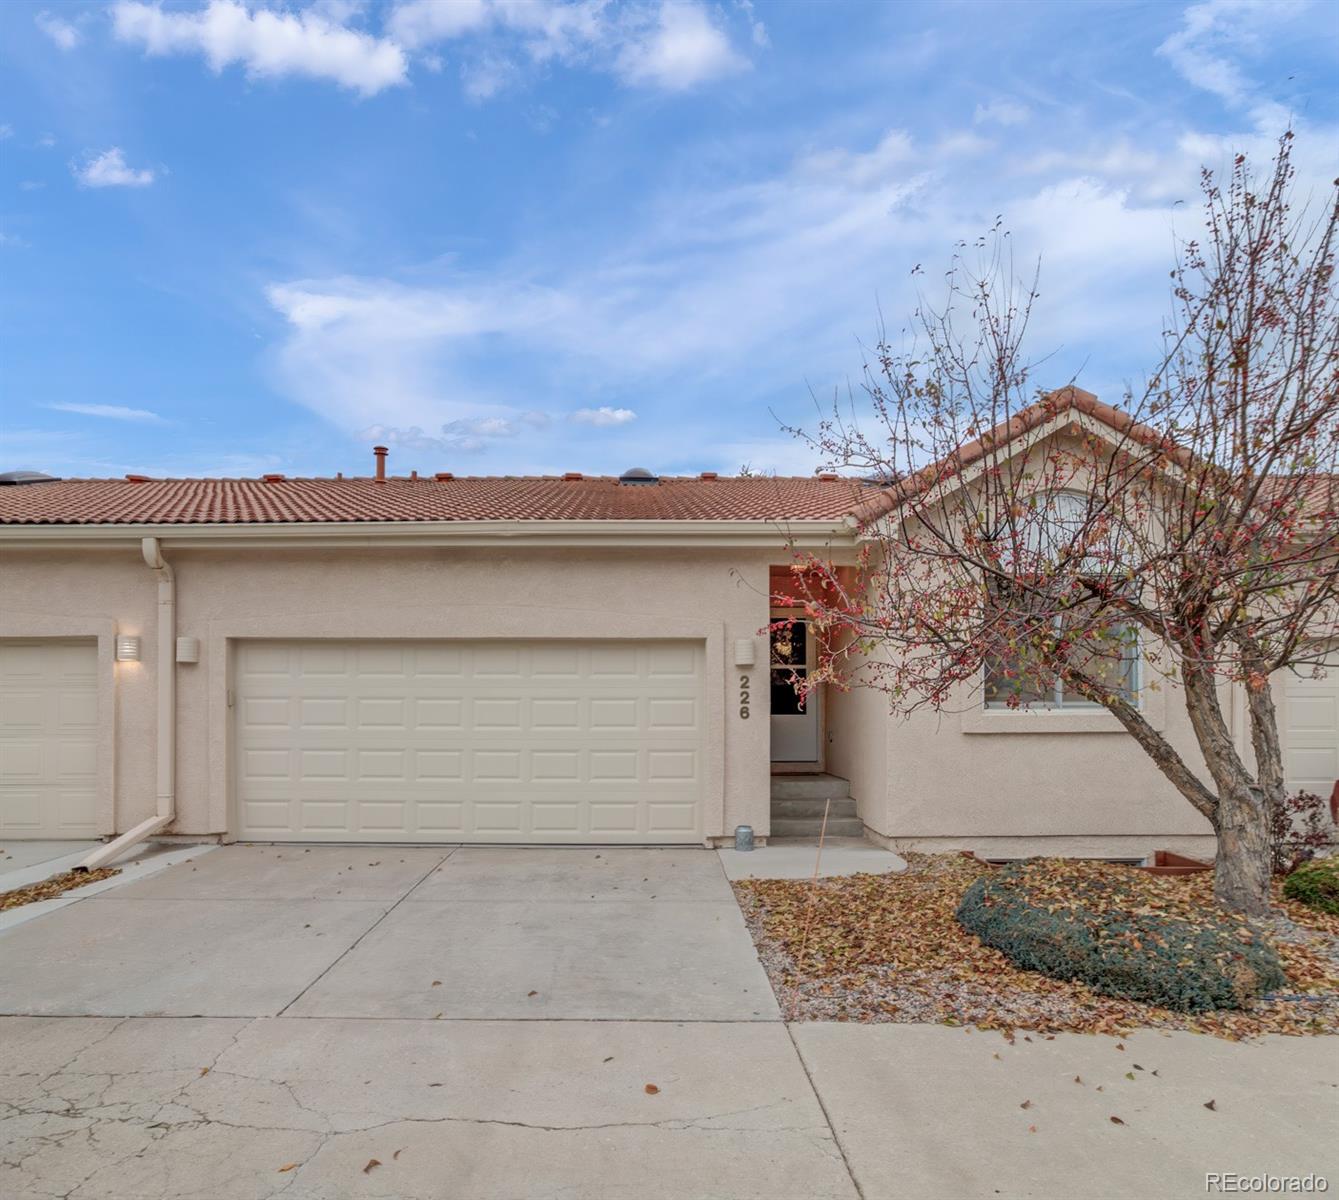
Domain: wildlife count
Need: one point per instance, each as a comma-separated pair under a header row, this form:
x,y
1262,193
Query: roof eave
x,y
389,534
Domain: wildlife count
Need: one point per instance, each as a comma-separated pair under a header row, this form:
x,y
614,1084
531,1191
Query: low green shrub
x,y
1088,923
1315,883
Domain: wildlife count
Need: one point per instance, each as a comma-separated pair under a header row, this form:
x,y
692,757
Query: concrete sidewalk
x,y
931,1111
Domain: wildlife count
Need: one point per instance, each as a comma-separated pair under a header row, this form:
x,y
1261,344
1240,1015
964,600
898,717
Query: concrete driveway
x,y
494,1023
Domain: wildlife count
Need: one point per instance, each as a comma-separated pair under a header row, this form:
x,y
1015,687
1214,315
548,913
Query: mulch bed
x,y
49,889
888,948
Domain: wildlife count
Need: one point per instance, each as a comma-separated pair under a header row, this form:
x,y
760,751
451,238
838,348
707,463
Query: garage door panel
x,y
471,741
1310,730
48,738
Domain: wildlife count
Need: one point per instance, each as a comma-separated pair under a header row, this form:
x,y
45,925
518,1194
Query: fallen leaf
x,y
609,1059
1129,1074
1120,1045
436,983
399,1152
1137,1067
651,1089
1077,1079
376,1162
532,993
1032,1129
204,1071
286,1167
1026,1104
1117,1121
1212,1106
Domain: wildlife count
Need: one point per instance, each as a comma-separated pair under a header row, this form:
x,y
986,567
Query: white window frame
x,y
1058,702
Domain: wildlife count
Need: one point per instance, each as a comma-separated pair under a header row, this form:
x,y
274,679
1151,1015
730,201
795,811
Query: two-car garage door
x,y
489,741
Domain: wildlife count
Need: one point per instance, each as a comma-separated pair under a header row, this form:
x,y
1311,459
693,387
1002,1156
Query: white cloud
x,y
1205,51
548,29
60,31
603,417
110,169
6,131
487,76
267,43
1001,112
112,412
683,49
465,435
416,23
674,45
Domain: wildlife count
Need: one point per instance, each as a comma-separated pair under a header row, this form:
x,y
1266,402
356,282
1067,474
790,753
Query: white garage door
x,y
1310,732
470,741
48,738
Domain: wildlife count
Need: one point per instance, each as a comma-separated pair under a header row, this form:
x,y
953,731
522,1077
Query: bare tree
x,y
1043,549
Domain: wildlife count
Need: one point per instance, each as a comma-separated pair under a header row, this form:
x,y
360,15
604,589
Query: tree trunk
x,y
1241,816
1241,868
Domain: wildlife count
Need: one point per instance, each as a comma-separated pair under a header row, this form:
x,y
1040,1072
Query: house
x,y
545,660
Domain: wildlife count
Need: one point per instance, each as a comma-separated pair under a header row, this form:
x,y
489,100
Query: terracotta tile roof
x,y
256,501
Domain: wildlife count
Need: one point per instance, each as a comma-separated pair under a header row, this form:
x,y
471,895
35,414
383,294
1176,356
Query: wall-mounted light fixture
x,y
127,647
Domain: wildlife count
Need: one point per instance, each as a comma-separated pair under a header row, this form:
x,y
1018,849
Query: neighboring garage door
x,y
48,738
1310,732
470,741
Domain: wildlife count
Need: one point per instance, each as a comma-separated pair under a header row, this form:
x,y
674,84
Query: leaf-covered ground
x,y
49,889
889,948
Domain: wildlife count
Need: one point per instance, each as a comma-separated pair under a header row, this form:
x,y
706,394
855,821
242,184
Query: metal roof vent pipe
x,y
638,475
380,452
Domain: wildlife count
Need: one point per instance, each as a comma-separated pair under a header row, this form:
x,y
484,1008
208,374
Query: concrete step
x,y
806,828
843,806
809,787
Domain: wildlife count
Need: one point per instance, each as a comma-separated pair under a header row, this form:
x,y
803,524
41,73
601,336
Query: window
x,y
790,656
1113,660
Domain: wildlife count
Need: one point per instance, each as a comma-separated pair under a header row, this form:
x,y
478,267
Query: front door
x,y
794,720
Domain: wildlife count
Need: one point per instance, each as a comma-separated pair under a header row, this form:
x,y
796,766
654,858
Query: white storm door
x,y
795,721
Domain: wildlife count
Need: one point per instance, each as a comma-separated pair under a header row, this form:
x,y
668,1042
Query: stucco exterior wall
x,y
948,786
714,596
932,781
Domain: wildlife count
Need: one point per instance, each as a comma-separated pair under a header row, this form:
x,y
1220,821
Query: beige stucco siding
x,y
947,784
714,596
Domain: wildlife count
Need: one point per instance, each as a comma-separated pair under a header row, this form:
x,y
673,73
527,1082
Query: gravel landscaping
x,y
873,948
57,885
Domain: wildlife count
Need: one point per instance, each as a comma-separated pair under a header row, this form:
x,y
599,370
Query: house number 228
x,y
744,697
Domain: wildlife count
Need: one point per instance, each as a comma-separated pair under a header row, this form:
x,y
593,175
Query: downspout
x,y
167,713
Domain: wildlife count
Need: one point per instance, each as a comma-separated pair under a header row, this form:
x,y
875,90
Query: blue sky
x,y
509,237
